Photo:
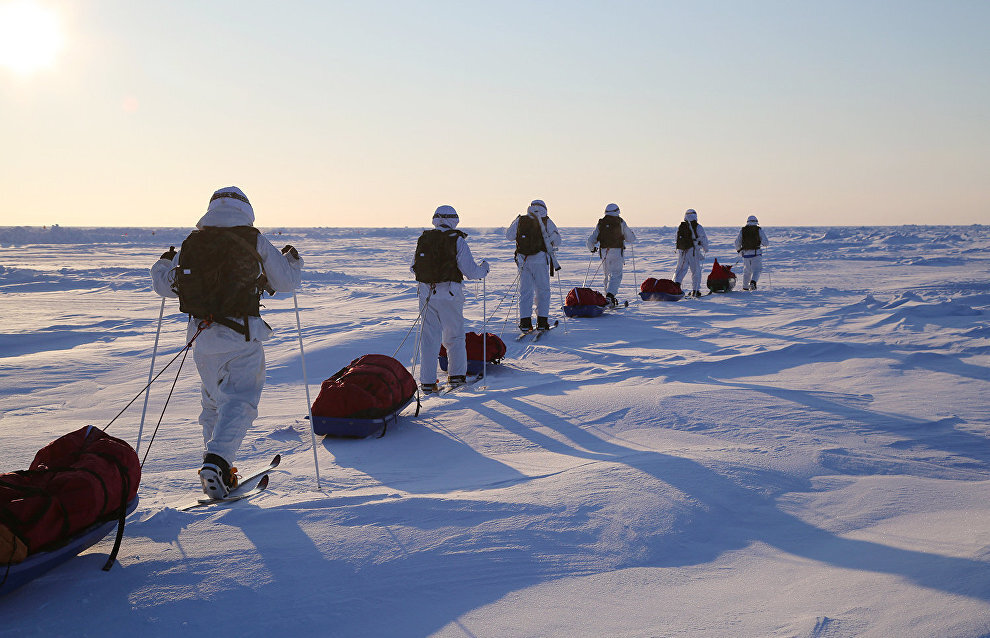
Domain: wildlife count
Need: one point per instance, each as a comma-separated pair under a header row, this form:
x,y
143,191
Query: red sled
x,y
721,279
494,350
654,289
75,491
584,302
363,398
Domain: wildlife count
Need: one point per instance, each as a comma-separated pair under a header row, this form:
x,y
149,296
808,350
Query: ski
x,y
540,333
236,495
240,492
470,382
525,334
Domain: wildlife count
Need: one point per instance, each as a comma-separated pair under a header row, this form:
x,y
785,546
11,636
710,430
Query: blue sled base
x,y
584,311
41,562
354,428
660,296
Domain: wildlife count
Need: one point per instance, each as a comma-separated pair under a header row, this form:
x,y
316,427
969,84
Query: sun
x,y
30,37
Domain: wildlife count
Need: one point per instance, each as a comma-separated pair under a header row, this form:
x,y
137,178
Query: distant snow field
x,y
811,459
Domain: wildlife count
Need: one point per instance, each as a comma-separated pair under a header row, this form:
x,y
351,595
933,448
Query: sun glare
x,y
30,38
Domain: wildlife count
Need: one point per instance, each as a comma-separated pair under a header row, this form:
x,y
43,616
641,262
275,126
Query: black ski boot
x,y
217,476
612,301
457,380
542,323
752,284
526,324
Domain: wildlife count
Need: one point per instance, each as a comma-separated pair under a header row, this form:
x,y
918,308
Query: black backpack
x,y
610,232
436,256
751,238
686,235
529,238
220,275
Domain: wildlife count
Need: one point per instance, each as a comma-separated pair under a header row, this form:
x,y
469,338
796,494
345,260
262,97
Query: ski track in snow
x,y
811,459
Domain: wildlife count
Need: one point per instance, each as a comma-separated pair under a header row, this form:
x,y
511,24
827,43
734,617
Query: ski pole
x,y
484,328
417,346
147,389
560,292
589,269
309,403
769,278
635,282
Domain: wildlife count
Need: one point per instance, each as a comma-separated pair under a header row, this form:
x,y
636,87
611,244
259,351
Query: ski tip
x,y
276,460
263,483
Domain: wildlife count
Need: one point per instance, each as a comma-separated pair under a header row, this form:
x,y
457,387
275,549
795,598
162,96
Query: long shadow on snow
x,y
931,434
376,584
431,461
730,517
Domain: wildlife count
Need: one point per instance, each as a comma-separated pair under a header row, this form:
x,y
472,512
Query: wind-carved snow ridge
x,y
810,459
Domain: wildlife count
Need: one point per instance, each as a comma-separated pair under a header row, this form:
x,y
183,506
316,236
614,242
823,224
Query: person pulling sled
x,y
218,275
537,239
749,244
441,263
691,244
610,238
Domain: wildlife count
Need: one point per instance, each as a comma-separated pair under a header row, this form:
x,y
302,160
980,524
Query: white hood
x,y
538,207
612,210
228,207
445,217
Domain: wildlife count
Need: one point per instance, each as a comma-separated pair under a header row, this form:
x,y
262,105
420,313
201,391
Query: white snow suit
x,y
752,259
231,369
442,308
534,270
612,258
691,257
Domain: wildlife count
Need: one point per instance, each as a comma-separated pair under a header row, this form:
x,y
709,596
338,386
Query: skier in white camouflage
x,y
534,256
441,263
749,244
691,244
609,238
226,258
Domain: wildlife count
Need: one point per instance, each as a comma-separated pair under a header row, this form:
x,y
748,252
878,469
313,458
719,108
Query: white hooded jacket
x,y
283,273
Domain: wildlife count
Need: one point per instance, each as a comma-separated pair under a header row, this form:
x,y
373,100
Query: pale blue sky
x,y
374,113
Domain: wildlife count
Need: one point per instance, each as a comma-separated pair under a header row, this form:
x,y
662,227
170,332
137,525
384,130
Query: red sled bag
x,y
721,279
371,387
494,350
660,290
585,297
494,347
78,480
661,285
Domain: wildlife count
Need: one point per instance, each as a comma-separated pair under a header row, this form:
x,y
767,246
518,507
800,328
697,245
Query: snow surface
x,y
812,459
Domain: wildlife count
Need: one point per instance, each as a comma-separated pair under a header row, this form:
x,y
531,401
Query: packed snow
x,y
810,459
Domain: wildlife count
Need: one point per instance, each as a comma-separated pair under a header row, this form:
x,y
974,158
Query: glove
x,y
594,249
289,248
169,254
484,264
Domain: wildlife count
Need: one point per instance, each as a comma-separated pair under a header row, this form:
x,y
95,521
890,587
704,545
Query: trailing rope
x,y
202,326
